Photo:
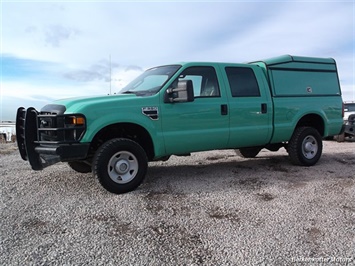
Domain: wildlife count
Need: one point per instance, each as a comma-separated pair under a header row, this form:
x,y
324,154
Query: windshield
x,y
151,81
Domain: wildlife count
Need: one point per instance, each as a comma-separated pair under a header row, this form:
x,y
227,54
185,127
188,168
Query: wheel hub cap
x,y
122,167
309,147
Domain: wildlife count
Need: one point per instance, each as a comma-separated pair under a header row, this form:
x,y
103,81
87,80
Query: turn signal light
x,y
79,120
76,120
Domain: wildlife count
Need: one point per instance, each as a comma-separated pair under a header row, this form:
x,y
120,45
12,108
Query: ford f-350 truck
x,y
287,101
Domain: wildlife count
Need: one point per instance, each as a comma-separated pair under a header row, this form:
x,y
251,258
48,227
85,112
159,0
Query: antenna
x,y
110,74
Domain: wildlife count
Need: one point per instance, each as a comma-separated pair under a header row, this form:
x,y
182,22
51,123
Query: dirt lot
x,y
212,208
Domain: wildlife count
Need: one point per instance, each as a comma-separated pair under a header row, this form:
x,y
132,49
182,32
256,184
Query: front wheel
x,y
120,165
305,146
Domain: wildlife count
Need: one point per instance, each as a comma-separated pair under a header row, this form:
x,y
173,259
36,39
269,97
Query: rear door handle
x,y
224,109
263,108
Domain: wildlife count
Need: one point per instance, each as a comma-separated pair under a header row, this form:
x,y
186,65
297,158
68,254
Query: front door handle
x,y
224,109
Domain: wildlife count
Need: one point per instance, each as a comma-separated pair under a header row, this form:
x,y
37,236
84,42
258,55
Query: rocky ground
x,y
213,208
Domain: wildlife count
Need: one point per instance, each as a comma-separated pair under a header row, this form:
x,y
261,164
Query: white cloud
x,y
79,37
52,91
122,76
152,33
15,93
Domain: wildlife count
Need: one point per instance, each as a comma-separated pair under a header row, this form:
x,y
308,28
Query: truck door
x,y
250,106
199,125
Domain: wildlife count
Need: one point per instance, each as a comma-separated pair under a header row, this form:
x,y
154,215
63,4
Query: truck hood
x,y
74,105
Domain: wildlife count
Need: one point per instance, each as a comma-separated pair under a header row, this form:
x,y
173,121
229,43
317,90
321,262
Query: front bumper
x,y
44,146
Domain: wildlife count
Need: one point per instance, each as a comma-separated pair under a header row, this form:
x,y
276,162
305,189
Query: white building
x,y
7,130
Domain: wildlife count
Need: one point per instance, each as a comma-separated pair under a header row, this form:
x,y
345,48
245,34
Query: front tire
x,y
120,165
305,146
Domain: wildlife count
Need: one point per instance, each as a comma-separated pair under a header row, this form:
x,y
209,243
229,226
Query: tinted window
x,y
242,82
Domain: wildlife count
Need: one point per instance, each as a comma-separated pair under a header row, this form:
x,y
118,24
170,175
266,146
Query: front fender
x,y
103,119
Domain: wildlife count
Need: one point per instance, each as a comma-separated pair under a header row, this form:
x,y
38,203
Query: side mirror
x,y
184,92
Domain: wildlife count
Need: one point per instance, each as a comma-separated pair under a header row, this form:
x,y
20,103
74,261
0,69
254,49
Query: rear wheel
x,y
305,146
248,152
120,165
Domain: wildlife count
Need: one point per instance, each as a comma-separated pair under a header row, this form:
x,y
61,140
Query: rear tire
x,y
120,165
248,152
305,146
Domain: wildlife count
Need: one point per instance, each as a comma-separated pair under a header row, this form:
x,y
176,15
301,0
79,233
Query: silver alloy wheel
x,y
122,167
309,147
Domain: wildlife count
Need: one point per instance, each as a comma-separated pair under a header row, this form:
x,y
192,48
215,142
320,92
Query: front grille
x,y
54,128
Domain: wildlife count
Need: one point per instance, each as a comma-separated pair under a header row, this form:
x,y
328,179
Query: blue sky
x,y
60,49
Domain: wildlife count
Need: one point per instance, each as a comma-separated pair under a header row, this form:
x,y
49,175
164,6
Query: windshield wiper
x,y
129,92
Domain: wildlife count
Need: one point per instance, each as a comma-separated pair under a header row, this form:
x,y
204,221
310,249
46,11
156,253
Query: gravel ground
x,y
212,208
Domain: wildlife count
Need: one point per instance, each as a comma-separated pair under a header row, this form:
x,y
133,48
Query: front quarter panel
x,y
130,110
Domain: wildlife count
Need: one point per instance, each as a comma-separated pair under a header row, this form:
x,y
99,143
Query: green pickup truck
x,y
287,101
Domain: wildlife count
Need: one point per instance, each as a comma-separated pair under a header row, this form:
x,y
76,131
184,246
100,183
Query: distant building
x,y
7,131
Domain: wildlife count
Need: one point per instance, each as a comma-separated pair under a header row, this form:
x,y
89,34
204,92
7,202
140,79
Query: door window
x,y
242,82
204,80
